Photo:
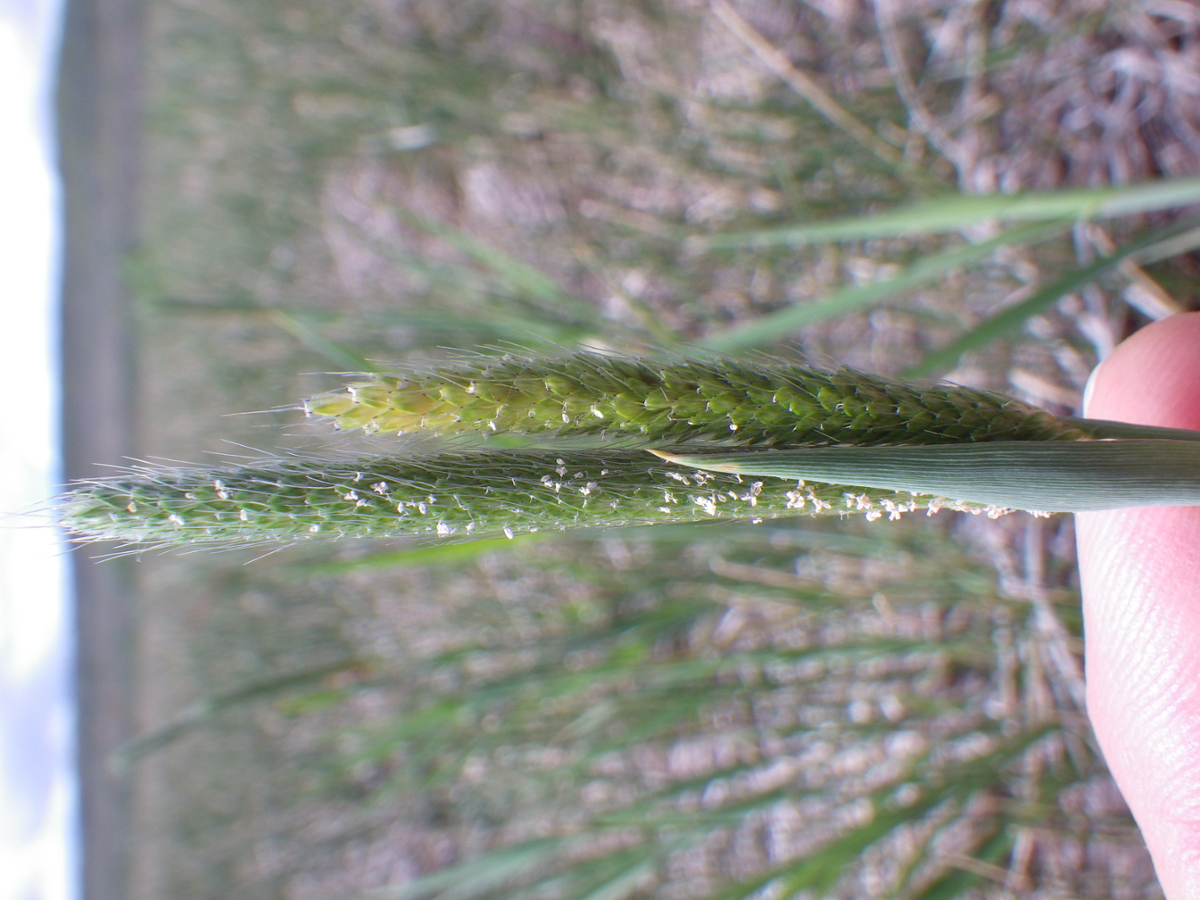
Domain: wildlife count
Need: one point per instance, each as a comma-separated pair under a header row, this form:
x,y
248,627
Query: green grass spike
x,y
504,492
728,401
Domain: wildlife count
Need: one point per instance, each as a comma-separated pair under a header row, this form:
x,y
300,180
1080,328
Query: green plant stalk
x,y
505,492
726,401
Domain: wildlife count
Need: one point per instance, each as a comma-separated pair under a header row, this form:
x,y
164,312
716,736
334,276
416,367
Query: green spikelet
x,y
454,494
731,402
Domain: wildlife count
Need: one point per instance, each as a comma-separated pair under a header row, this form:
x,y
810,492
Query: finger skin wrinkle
x,y
1143,668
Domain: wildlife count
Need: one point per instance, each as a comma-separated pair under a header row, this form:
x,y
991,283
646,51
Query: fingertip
x,y
1151,378
1140,577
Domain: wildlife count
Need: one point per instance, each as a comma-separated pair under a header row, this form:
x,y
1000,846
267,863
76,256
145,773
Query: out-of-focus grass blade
x,y
777,326
202,711
432,325
947,214
956,880
447,322
1051,476
519,276
1182,243
424,555
730,534
823,867
478,877
1012,318
343,357
625,882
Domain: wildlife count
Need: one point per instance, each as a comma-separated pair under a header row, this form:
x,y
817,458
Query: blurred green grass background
x,y
824,709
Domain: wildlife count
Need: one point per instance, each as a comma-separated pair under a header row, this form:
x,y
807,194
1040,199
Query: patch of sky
x,y
39,840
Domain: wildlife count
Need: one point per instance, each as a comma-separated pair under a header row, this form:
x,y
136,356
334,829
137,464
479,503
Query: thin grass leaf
x,y
957,879
944,215
519,277
1175,246
342,357
773,328
821,869
201,712
1009,320
730,535
625,882
495,327
423,555
484,301
476,878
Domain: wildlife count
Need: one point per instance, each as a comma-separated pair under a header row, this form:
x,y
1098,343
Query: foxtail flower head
x,y
505,492
727,401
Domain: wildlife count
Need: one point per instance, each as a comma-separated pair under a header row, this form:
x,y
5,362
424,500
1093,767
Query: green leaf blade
x,y
1049,476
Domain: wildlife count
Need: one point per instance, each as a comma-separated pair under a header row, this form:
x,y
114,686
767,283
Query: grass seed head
x,y
732,402
457,494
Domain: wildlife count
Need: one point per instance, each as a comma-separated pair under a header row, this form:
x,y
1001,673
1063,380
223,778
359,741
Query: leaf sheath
x,y
1047,476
